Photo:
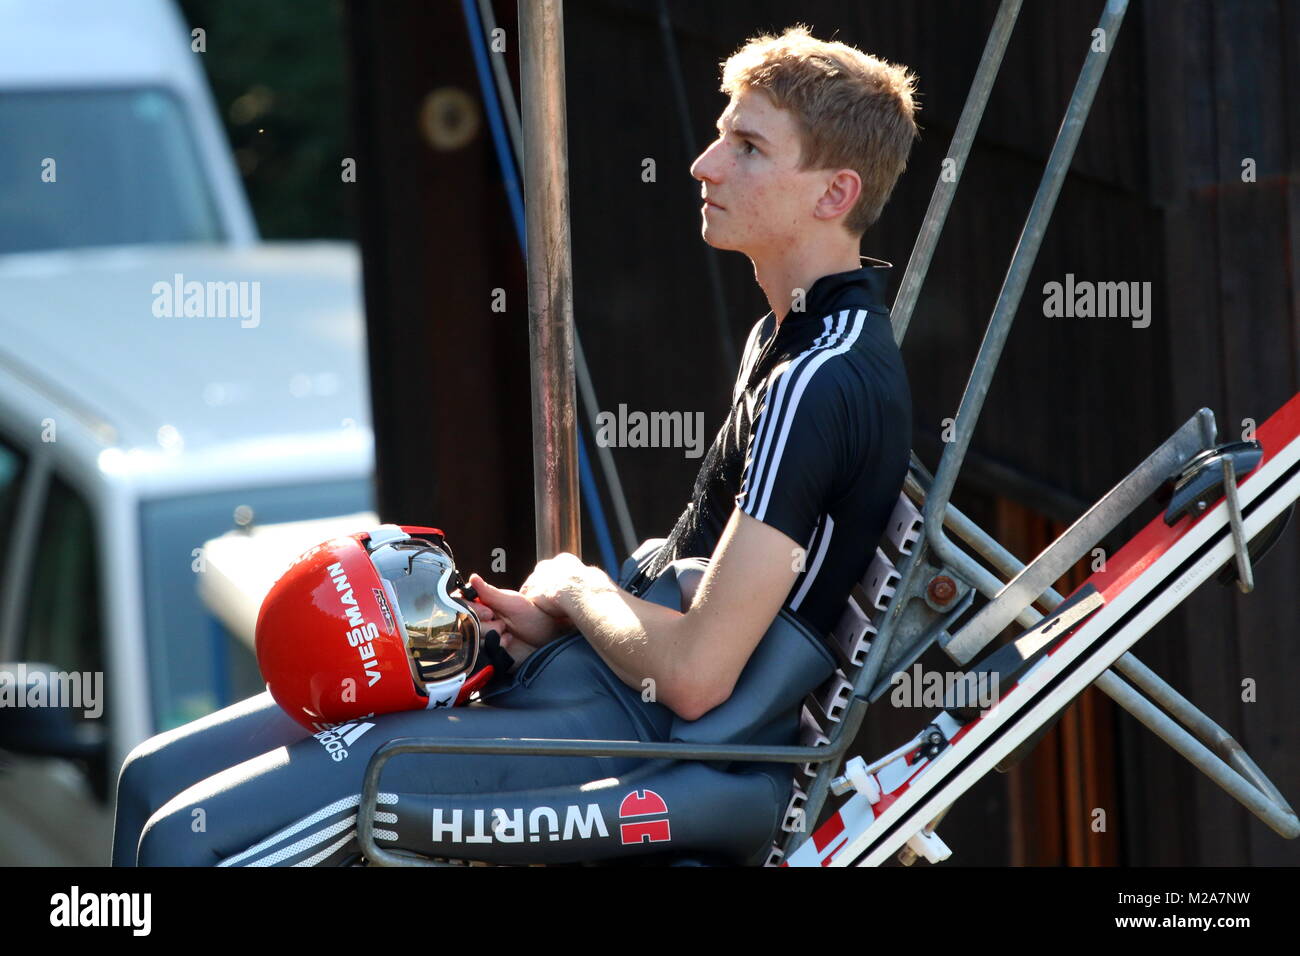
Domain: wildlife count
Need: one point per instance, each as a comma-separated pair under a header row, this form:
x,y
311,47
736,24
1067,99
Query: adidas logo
x,y
337,740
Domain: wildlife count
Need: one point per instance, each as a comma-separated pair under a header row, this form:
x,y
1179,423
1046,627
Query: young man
x,y
789,501
808,465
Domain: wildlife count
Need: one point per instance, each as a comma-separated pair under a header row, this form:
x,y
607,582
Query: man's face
x,y
749,171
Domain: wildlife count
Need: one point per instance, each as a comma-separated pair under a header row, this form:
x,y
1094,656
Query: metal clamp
x,y
1200,482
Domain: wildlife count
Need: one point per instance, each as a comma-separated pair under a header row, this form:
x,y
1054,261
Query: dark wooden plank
x,y
1252,236
1198,639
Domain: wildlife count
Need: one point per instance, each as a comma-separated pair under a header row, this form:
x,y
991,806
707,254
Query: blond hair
x,y
853,110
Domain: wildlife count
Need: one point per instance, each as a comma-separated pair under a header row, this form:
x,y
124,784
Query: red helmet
x,y
364,624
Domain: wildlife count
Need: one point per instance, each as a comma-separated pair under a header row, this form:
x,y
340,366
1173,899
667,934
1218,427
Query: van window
x,y
100,168
63,624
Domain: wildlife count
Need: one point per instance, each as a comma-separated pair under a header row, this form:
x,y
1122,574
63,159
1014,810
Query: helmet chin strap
x,y
445,693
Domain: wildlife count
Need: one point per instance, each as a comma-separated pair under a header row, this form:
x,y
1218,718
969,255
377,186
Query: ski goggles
x,y
441,632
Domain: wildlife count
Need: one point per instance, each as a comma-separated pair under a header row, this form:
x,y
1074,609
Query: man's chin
x,y
716,241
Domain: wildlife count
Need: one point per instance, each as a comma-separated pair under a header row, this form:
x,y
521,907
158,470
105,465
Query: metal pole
x,y
550,277
586,391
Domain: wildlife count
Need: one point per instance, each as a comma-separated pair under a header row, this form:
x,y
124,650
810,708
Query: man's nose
x,y
704,166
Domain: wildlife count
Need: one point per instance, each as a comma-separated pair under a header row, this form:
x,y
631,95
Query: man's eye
x,y
752,148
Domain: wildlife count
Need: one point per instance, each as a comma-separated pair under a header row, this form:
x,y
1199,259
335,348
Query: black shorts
x,y
248,786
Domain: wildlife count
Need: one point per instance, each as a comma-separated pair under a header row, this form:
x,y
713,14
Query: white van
x,y
164,378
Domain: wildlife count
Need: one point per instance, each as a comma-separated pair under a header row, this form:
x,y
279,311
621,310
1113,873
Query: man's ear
x,y
842,193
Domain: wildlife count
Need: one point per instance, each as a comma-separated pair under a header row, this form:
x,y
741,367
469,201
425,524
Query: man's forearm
x,y
637,639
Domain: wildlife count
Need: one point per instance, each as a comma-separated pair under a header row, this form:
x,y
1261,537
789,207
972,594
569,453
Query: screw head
x,y
942,589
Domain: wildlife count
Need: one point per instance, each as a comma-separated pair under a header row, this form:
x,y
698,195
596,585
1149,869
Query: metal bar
x,y
1048,567
991,476
555,747
550,278
1221,745
378,856
1245,576
987,548
1013,286
944,189
976,574
1283,821
1205,729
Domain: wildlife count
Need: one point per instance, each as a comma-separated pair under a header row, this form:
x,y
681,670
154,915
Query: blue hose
x,y
496,122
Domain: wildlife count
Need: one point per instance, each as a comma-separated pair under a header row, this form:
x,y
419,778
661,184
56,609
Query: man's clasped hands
x,y
539,611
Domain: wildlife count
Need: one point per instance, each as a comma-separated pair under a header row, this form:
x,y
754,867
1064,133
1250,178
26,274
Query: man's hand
x,y
556,581
489,621
523,625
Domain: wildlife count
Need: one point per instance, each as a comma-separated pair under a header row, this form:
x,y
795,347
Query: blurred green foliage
x,y
278,73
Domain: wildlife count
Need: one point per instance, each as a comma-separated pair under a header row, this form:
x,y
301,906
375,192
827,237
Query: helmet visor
x,y
441,632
